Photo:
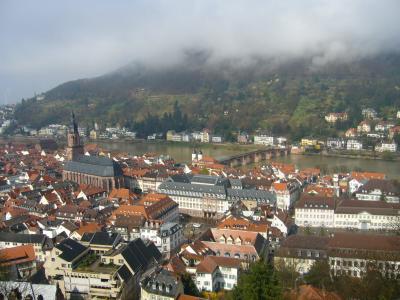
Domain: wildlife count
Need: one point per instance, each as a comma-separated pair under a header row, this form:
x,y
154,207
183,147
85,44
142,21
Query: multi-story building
x,y
386,147
161,284
167,236
152,207
336,143
353,254
264,139
301,252
216,273
366,215
364,127
208,196
19,261
334,117
81,273
286,193
354,145
245,245
315,211
379,189
369,113
40,242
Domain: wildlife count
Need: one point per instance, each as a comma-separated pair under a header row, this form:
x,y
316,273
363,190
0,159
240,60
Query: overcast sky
x,y
45,42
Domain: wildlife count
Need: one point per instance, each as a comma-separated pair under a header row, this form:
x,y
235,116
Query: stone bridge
x,y
252,157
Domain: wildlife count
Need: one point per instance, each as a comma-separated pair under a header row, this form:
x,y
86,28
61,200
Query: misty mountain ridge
x,y
279,91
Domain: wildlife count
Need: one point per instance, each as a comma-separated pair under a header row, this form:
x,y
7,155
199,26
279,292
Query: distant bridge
x,y
255,156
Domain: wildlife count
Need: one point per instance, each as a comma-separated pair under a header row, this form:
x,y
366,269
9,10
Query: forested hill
x,y
287,99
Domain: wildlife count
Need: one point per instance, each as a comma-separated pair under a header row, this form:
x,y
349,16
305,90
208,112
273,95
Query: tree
x,y
189,288
287,274
319,275
260,282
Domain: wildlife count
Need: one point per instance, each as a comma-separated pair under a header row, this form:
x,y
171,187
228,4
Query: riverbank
x,y
367,155
182,152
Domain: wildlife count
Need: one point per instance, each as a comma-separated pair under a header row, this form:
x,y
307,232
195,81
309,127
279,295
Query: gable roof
x,y
17,255
71,249
138,256
94,165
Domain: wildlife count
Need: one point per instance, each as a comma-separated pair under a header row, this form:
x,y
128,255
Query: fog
x,y
45,42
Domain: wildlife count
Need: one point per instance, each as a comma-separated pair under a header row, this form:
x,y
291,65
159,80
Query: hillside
x,y
287,99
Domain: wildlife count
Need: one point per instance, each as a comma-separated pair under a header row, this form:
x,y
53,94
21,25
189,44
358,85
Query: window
x,y
206,283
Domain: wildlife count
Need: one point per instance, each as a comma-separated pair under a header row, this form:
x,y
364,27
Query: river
x,y
182,153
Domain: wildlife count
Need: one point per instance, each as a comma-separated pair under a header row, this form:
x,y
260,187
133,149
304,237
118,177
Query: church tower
x,y
74,144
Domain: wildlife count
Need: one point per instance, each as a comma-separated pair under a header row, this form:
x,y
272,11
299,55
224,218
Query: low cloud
x,y
45,42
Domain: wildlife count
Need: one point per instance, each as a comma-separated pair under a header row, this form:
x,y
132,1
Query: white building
x,y
386,147
336,143
167,237
354,145
315,211
263,139
216,273
366,215
216,139
286,193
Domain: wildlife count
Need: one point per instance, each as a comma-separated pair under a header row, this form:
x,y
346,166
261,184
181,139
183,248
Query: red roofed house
x,y
286,193
216,273
20,261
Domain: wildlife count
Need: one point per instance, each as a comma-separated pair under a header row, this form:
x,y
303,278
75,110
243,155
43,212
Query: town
x,y
81,222
373,135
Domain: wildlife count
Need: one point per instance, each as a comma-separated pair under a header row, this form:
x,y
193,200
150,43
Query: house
x,y
309,292
241,223
264,139
301,252
379,189
335,143
161,284
351,132
40,242
360,178
364,127
128,226
335,117
167,237
205,136
151,207
246,245
383,126
308,142
78,272
286,194
356,183
216,139
386,147
369,113
394,131
101,242
215,273
243,138
398,114
353,144
315,211
19,261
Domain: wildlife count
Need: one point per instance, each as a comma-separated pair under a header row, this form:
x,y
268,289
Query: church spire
x,y
74,144
73,122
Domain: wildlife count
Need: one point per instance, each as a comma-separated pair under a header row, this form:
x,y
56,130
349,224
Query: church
x,y
98,171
